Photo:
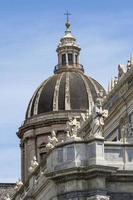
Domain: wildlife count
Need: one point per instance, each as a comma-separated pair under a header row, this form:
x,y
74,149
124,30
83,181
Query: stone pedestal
x,y
96,150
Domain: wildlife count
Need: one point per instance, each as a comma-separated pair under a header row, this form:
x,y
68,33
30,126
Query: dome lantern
x,y
68,52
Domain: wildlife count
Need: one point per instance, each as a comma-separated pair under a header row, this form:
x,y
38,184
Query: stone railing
x,y
65,67
118,154
72,155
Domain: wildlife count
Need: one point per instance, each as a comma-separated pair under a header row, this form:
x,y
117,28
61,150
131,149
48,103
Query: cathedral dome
x,y
69,89
60,98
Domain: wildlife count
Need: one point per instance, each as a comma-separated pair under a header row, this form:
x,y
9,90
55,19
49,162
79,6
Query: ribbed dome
x,y
70,90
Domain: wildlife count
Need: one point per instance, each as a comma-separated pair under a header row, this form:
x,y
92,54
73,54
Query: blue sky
x,y
29,33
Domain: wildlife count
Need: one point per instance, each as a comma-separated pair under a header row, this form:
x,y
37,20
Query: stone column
x,y
67,59
74,61
78,61
22,160
30,151
59,59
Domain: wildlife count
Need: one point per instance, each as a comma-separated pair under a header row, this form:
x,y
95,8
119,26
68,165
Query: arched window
x,y
70,58
76,59
63,59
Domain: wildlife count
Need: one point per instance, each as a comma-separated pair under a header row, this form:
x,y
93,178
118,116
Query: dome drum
x,y
71,67
50,119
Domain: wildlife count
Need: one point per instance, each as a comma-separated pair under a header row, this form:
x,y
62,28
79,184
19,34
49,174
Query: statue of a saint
x,y
33,165
98,116
73,125
52,141
82,119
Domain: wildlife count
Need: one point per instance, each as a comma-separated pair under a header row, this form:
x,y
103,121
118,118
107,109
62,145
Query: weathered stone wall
x,y
6,188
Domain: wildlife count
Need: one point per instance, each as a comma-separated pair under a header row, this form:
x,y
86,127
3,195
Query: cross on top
x,y
67,15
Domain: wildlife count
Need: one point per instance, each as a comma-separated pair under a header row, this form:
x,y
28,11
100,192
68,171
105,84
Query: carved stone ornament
x,y
33,165
84,117
121,71
52,141
19,184
126,132
128,65
73,125
99,197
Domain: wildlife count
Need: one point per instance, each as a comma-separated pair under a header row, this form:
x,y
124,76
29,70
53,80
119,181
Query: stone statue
x,y
33,165
115,80
19,184
126,131
87,114
52,141
49,144
54,138
82,119
98,116
121,71
73,125
68,135
128,65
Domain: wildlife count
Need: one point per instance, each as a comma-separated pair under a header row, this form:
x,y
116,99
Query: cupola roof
x,y
69,89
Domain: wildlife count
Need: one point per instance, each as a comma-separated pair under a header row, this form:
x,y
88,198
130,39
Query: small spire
x,y
109,87
68,25
112,83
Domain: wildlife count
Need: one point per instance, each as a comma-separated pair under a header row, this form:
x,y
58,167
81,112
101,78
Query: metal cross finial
x,y
67,14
